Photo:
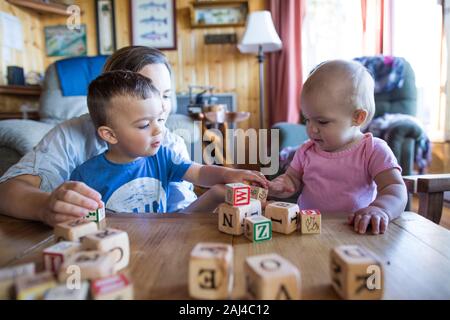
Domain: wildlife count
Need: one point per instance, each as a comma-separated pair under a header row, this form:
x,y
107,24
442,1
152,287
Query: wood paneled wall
x,y
221,66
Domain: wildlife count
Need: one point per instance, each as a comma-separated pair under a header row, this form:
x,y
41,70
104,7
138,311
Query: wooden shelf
x,y
34,115
34,91
41,6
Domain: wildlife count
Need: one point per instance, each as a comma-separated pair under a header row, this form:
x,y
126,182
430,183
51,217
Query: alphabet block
x,y
284,216
116,287
33,287
210,271
310,221
258,228
356,273
63,292
89,264
258,193
74,230
55,255
9,275
97,215
237,194
231,219
271,277
110,240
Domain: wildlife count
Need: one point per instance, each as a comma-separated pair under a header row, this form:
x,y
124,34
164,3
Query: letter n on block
x,y
210,271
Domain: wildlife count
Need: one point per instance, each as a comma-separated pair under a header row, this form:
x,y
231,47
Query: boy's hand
x,y
71,200
371,215
246,176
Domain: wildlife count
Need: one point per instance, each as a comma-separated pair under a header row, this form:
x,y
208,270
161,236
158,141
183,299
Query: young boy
x,y
133,174
340,169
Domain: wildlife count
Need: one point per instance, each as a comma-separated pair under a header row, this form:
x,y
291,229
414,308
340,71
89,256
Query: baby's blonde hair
x,y
361,85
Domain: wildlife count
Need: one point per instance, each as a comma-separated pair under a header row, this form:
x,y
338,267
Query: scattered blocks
x,y
110,240
310,221
55,255
237,194
87,265
74,230
116,287
258,193
9,275
271,277
284,216
33,287
258,228
355,273
211,271
231,219
63,292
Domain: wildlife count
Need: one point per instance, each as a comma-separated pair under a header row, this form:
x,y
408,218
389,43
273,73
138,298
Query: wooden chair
x,y
430,189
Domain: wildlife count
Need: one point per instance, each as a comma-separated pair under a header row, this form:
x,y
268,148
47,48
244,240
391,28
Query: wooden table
x,y
415,253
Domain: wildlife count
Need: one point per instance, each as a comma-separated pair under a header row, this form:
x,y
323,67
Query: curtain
x,y
285,67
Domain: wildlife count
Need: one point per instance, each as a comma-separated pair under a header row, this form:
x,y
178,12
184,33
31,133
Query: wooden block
x,y
284,216
9,275
237,194
211,271
33,287
310,221
55,255
97,215
258,193
116,287
110,240
258,228
271,277
74,230
87,265
62,292
356,273
231,219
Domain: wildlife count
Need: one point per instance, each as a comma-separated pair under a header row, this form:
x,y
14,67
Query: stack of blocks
x,y
84,254
242,213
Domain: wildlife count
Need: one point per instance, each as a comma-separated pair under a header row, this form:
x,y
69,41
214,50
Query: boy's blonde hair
x,y
361,85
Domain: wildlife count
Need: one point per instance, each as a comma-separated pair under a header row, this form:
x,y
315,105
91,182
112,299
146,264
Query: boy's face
x,y
329,120
138,126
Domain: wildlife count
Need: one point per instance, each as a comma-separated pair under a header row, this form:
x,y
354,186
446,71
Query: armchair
x,y
403,136
17,137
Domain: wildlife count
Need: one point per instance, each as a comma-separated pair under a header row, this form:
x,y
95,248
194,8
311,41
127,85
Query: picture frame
x,y
60,41
153,23
106,30
209,14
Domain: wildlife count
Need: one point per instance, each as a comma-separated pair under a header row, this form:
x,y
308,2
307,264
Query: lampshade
x,y
260,31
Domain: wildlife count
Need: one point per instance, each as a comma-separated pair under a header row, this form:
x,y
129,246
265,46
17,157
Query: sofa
x,y
17,137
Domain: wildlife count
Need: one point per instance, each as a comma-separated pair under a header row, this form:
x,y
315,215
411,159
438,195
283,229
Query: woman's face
x,y
160,76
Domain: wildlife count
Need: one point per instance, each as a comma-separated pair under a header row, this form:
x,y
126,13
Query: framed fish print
x,y
153,23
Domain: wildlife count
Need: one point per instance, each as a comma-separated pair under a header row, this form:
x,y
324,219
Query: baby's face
x,y
138,125
328,121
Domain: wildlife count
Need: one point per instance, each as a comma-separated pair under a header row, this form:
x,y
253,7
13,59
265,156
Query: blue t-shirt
x,y
138,186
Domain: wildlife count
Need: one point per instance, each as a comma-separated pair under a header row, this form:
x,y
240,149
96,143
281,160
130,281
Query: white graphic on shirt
x,y
140,195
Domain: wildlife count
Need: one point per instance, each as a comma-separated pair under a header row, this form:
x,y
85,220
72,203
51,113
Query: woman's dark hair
x,y
135,58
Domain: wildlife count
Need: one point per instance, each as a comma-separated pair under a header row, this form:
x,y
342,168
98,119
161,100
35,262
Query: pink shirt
x,y
342,181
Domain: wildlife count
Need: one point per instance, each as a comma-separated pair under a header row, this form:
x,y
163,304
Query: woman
x,y
37,187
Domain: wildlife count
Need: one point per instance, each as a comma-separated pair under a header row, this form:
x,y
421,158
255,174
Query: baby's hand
x,y
281,186
371,215
246,176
